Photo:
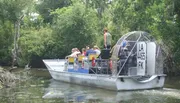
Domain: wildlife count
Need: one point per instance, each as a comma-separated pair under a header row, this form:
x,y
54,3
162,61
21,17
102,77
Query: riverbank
x,y
7,79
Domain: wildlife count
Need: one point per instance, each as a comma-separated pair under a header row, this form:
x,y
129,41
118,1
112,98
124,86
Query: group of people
x,y
85,51
93,50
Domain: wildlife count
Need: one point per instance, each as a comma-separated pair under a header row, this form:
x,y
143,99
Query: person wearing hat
x,y
107,39
90,51
97,50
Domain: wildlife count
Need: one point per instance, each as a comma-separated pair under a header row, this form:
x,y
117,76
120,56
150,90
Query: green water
x,y
41,88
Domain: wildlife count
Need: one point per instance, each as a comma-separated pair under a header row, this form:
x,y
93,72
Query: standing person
x,y
107,39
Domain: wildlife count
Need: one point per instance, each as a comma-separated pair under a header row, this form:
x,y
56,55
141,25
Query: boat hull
x,y
58,72
109,82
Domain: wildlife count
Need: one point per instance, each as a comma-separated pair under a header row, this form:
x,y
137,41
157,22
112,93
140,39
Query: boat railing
x,y
91,65
102,66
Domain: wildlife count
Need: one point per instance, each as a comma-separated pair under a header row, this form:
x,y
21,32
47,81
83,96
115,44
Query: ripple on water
x,y
44,90
72,92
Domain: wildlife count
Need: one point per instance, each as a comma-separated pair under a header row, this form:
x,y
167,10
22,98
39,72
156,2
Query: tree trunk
x,y
14,53
16,37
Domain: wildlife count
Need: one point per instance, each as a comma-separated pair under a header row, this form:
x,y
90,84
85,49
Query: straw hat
x,y
96,47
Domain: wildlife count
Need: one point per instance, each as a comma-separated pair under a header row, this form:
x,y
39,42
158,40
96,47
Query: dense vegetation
x,y
34,29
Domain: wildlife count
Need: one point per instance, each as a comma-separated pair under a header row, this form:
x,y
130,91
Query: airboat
x,y
134,63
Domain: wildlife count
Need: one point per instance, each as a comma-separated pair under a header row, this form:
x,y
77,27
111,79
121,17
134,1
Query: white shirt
x,y
98,52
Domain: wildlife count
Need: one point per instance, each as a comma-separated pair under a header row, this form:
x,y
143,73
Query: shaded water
x,y
41,88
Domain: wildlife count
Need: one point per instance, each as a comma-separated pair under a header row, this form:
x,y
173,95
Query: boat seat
x,y
80,58
90,56
71,60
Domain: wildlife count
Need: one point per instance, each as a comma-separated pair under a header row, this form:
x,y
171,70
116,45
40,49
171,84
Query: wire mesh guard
x,y
137,53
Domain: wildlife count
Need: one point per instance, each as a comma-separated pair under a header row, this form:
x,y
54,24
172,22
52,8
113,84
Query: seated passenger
x,y
97,50
90,51
83,51
75,52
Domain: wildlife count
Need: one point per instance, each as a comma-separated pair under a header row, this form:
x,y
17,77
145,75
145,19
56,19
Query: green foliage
x,y
10,12
45,7
6,40
30,22
13,9
74,26
32,43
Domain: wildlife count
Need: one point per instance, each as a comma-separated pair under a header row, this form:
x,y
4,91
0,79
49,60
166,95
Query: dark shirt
x,y
90,51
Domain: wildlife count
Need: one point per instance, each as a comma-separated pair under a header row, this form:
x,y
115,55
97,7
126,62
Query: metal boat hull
x,y
110,82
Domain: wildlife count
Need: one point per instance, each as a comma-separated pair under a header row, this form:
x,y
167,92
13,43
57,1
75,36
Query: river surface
x,y
39,87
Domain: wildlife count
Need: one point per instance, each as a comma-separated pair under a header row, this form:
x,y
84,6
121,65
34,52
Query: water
x,y
41,88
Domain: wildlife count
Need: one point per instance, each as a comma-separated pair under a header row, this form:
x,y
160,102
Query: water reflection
x,y
40,88
75,93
